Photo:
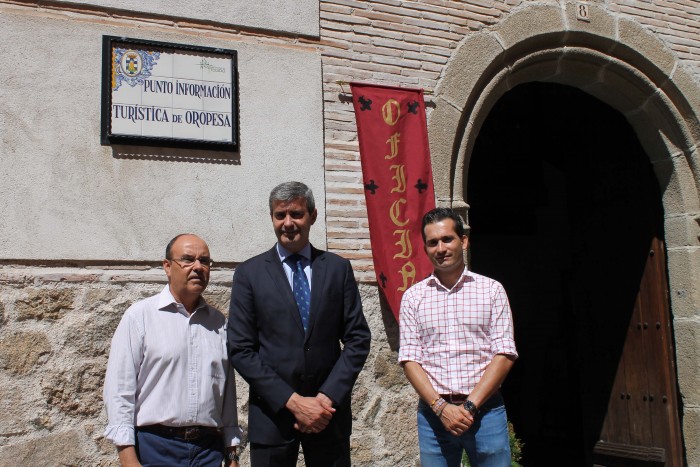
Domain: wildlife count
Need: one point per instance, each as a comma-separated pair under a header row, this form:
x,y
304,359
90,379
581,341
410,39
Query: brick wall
x,y
409,43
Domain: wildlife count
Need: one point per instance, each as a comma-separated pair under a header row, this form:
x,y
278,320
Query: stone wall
x,y
56,326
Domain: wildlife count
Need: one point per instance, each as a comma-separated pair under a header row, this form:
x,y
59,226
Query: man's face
x,y
444,247
187,283
292,223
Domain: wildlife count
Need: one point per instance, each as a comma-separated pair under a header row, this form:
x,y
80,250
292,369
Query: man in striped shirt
x,y
169,393
457,347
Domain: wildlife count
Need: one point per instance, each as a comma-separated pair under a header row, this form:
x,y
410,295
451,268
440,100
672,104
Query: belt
x,y
186,433
458,399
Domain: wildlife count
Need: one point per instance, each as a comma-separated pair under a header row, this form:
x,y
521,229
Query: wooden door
x,y
641,427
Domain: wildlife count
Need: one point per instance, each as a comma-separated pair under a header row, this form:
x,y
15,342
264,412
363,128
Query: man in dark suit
x,y
291,308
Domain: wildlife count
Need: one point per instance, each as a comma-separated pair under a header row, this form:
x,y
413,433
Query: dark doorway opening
x,y
566,212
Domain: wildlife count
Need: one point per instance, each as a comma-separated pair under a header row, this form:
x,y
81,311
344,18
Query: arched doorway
x,y
566,212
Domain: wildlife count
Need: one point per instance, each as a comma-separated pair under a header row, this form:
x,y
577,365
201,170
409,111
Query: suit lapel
x,y
318,279
281,285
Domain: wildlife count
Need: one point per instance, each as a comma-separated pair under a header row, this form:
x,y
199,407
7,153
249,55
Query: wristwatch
x,y
471,408
232,454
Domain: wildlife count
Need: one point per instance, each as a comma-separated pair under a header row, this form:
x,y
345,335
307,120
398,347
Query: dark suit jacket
x,y
269,349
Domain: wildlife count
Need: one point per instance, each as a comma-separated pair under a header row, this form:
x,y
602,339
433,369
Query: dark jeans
x,y
157,451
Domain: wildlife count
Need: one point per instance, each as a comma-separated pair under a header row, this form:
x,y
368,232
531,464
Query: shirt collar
x,y
466,275
283,253
166,301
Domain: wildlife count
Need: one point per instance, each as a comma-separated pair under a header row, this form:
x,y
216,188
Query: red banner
x,y
398,180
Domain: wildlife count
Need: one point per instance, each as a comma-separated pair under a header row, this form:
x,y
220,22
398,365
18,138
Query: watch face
x,y
470,407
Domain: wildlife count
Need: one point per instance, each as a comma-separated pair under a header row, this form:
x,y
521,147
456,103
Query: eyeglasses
x,y
187,262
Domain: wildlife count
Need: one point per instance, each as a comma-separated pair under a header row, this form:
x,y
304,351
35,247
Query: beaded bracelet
x,y
439,406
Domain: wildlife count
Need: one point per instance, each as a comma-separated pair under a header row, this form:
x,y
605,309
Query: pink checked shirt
x,y
454,334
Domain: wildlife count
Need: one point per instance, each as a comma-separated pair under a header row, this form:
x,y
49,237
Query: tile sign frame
x,y
169,95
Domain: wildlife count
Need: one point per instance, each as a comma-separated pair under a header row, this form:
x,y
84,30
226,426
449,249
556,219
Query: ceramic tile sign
x,y
169,95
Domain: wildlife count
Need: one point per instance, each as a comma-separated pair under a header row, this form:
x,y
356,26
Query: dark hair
x,y
289,191
438,214
169,247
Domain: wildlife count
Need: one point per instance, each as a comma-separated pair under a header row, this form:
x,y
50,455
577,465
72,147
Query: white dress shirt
x,y
167,367
305,254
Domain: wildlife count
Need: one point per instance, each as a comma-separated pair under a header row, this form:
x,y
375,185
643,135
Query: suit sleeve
x,y
356,339
243,344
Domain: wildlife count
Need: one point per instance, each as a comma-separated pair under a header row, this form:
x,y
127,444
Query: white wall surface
x,y
291,16
65,197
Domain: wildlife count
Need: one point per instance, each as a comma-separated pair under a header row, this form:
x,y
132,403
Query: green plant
x,y
516,449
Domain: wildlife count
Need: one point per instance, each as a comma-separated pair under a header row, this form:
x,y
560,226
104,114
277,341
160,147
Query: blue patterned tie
x,y
302,291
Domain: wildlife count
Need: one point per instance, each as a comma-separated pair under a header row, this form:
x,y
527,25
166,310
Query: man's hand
x,y
456,419
312,413
127,456
325,401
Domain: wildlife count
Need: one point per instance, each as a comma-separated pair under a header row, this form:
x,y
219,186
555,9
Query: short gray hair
x,y
289,191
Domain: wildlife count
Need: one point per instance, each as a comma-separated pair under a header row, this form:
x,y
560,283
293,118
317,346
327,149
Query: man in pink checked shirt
x,y
456,349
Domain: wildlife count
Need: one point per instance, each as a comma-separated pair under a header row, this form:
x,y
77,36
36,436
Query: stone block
x,y
687,334
535,27
64,448
224,276
76,391
442,128
95,298
684,91
598,33
659,146
636,44
360,397
694,162
387,371
467,67
16,411
107,448
663,114
45,303
677,184
397,423
684,277
92,336
623,88
682,230
691,433
539,66
20,352
218,298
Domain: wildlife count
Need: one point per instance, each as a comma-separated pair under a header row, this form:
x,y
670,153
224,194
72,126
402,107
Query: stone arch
x,y
624,65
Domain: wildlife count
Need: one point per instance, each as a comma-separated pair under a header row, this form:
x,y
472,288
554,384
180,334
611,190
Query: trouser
x,y
486,442
157,450
318,452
